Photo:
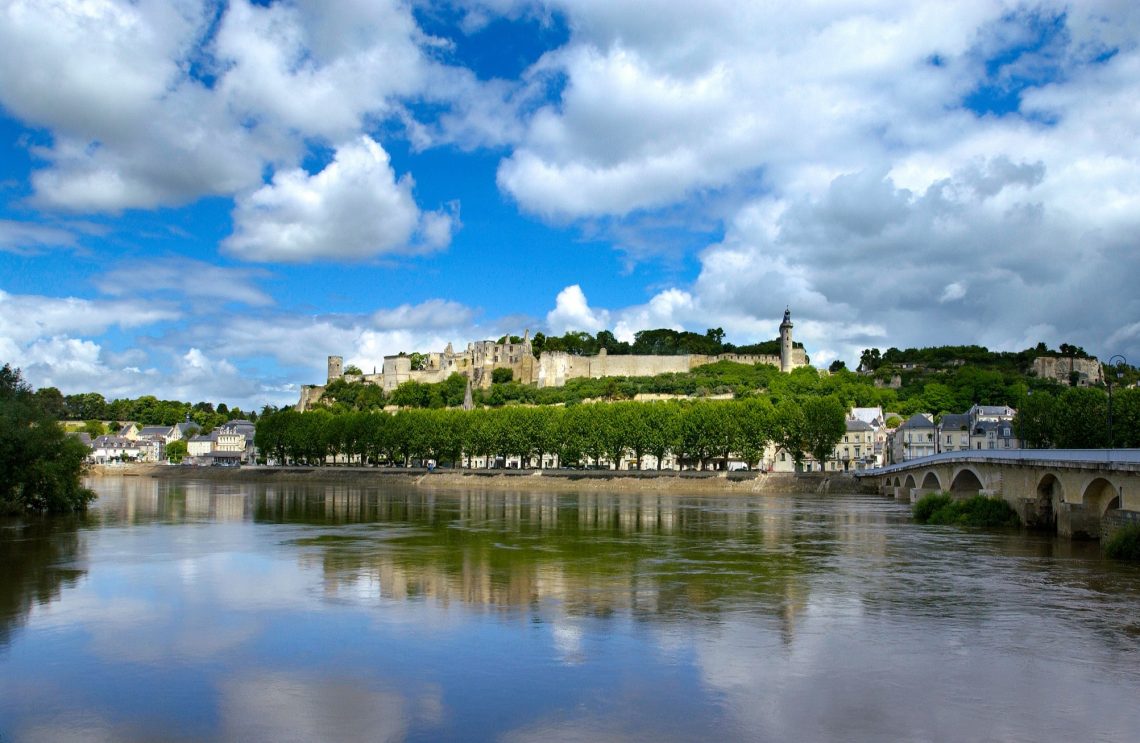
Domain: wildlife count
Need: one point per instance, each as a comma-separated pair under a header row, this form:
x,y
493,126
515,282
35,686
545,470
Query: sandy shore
x,y
718,482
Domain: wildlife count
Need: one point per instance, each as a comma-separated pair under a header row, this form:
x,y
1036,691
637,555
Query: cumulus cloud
x,y
354,208
153,103
572,312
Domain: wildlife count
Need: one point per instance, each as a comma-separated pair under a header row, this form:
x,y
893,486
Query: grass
x,y
978,510
1124,544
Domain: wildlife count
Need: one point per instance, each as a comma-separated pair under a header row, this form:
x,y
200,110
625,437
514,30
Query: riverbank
x,y
632,480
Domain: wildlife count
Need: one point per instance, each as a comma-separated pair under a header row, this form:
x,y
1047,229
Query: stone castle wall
x,y
1061,369
551,369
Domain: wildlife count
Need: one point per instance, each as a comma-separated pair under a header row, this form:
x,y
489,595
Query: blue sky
x,y
203,200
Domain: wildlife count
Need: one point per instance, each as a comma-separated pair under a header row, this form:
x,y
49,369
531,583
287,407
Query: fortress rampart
x,y
550,369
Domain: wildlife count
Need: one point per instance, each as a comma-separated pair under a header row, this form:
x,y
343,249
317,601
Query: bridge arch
x,y
898,484
931,482
1050,496
1100,495
966,482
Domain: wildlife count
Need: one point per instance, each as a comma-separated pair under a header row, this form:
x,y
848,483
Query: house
x,y
187,428
109,448
990,413
877,420
993,435
915,438
954,432
857,449
236,436
199,446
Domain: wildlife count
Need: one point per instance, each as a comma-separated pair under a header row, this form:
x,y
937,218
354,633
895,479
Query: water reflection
x,y
658,556
281,611
38,559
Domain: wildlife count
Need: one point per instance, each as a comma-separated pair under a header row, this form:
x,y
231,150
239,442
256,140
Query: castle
x,y
549,369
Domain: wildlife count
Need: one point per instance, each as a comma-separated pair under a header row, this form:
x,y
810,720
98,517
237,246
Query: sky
x,y
202,200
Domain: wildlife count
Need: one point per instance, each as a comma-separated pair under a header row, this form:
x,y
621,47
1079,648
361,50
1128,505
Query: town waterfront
x,y
182,609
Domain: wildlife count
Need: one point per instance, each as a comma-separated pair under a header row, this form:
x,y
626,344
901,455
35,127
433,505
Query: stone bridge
x,y
1083,493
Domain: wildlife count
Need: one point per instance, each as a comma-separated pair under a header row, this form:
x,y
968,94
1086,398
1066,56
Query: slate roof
x,y
857,425
918,420
955,422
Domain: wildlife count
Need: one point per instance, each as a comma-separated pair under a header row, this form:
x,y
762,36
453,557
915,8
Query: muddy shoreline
x,y
711,482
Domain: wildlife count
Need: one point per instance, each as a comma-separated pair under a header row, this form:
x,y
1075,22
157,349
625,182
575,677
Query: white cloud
x,y
572,312
26,237
952,292
184,278
435,313
153,103
24,318
353,209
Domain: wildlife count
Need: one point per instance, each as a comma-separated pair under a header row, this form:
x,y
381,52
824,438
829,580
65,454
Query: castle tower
x,y
786,342
336,367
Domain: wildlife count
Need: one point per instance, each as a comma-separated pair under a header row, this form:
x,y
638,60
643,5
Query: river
x,y
216,611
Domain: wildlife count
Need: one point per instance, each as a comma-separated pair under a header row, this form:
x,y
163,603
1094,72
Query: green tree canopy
x,y
40,464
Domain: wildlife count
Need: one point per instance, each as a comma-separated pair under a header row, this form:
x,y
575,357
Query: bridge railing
x,y
1122,457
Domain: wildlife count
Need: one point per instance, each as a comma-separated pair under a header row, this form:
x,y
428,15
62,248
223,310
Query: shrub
x,y
928,504
978,510
1124,544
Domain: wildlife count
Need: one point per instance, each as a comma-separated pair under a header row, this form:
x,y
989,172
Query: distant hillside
x,y
950,356
934,380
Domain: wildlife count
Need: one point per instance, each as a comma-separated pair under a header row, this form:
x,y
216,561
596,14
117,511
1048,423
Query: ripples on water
x,y
198,611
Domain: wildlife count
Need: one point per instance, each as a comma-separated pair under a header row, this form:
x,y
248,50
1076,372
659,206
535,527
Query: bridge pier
x,y
1074,520
917,493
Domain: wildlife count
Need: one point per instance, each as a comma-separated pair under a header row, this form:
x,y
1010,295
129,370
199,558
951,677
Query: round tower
x,y
336,367
786,342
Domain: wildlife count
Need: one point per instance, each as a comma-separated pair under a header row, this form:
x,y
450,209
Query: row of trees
x,y
659,342
696,433
1077,418
40,465
147,410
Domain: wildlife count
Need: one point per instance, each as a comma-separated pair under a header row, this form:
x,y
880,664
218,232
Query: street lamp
x,y
1108,381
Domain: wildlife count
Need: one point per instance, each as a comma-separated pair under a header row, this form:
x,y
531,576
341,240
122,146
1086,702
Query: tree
x,y
1081,419
40,465
870,360
354,370
502,375
837,366
1036,421
824,426
176,451
756,422
789,429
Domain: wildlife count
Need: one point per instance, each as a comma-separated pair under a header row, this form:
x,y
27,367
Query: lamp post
x,y
1108,381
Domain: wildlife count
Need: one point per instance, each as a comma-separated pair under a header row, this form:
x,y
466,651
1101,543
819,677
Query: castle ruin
x,y
550,369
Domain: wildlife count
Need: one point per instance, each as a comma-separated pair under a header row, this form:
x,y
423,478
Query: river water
x,y
199,611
